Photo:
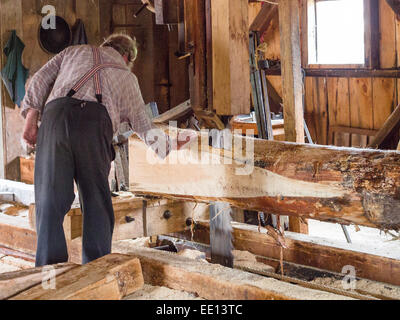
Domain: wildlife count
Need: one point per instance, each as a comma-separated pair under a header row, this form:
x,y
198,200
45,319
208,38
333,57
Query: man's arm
x,y
39,89
143,126
41,85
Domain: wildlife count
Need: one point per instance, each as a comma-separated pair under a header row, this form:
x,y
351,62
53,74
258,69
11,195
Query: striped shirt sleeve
x,y
41,84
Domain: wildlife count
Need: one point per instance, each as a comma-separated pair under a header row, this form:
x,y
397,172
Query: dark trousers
x,y
74,143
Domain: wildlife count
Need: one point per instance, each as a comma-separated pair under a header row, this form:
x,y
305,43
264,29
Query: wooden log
x,y
305,250
211,281
230,57
109,278
345,185
13,283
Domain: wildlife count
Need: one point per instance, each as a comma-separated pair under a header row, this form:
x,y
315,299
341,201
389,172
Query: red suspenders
x,y
95,74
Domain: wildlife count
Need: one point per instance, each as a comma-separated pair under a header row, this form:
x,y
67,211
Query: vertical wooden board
x,y
361,107
273,40
143,31
161,68
291,70
384,100
178,73
309,107
254,9
303,33
231,69
317,88
105,18
339,108
195,37
89,12
388,50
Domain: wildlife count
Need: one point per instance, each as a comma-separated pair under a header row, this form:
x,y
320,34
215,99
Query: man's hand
x,y
184,140
31,127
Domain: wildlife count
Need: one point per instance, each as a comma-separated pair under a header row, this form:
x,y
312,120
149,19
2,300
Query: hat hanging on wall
x,y
54,41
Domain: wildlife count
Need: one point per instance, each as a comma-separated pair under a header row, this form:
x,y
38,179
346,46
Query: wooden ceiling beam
x,y
263,20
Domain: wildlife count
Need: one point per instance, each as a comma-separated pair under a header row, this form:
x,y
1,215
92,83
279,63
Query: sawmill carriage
x,y
291,188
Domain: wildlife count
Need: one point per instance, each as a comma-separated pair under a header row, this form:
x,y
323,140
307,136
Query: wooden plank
x,y
129,219
291,70
17,235
174,114
109,278
27,170
361,108
211,281
387,30
264,17
339,109
231,69
86,9
384,100
13,283
292,82
318,182
195,39
342,73
305,250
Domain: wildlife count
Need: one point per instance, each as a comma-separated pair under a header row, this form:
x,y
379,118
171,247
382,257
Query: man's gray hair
x,y
124,44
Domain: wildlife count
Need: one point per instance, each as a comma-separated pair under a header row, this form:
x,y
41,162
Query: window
x,y
336,32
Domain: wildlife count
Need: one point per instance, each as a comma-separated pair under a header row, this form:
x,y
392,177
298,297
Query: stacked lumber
x,y
109,278
345,185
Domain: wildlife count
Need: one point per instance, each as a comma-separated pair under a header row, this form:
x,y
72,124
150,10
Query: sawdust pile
x,y
363,286
149,292
245,259
193,254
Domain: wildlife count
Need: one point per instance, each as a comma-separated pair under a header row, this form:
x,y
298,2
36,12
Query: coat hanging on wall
x,y
79,33
14,74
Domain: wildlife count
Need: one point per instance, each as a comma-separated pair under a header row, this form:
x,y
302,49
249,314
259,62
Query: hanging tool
x,y
259,91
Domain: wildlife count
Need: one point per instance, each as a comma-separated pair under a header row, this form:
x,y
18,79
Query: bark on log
x,y
345,185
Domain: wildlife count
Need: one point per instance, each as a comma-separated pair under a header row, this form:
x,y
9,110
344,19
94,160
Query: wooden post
x,y
292,82
230,57
3,149
195,38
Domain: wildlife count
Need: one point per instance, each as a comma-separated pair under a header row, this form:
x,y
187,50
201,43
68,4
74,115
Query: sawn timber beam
x,y
344,185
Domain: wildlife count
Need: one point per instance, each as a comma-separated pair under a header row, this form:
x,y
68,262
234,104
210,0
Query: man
x,y
81,96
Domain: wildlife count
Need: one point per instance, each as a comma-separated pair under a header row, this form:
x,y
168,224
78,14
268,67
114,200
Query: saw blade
x,y
221,234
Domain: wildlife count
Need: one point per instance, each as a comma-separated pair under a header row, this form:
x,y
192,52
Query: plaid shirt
x,y
120,88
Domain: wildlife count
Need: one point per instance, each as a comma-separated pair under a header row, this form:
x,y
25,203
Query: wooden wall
x,y
352,102
162,77
24,17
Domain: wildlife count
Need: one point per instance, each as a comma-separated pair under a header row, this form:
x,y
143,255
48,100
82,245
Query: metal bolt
x,y
189,222
129,219
167,214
